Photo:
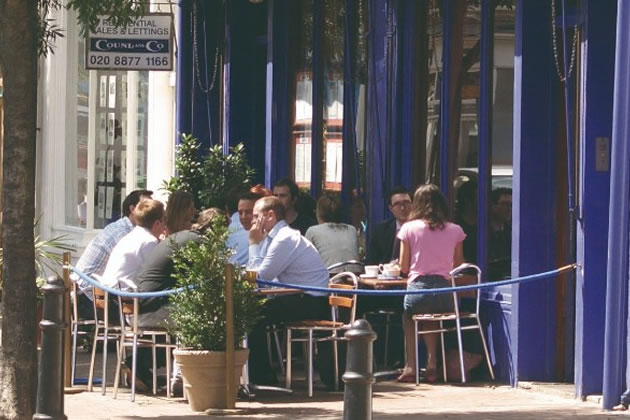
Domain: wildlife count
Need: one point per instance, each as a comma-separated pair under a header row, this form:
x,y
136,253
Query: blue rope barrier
x,y
361,292
364,292
122,293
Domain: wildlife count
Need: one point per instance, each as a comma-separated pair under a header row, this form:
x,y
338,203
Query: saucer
x,y
367,276
384,277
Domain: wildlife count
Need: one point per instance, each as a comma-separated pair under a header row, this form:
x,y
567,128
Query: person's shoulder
x,y
385,224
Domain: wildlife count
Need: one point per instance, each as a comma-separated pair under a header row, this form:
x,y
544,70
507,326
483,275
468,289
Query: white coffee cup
x,y
390,270
371,270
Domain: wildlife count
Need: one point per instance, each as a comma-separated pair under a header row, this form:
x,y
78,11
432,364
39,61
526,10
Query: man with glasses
x,y
384,246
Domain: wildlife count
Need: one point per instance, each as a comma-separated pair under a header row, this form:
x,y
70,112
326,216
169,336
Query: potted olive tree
x,y
198,317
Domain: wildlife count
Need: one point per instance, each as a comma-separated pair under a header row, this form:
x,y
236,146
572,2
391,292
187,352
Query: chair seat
x,y
315,324
450,316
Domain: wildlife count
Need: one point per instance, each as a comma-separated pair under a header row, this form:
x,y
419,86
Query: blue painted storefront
x,y
541,331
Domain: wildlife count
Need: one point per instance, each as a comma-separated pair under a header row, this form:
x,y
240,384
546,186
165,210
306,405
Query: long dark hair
x,y
429,205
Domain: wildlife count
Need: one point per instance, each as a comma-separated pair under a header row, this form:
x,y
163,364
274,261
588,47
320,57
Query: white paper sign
x,y
146,44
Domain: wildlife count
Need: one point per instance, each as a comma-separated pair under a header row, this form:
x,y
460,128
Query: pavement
x,y
391,401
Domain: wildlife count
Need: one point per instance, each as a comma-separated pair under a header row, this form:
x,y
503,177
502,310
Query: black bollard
x,y
357,398
51,363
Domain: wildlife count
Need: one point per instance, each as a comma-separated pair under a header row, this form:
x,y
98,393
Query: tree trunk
x,y
18,355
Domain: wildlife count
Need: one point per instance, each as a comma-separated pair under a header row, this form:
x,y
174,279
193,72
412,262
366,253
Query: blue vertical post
x,y
445,95
227,77
377,91
184,90
615,355
485,130
596,89
350,177
407,112
533,322
277,107
319,81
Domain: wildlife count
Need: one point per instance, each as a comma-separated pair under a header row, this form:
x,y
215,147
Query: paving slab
x,y
392,401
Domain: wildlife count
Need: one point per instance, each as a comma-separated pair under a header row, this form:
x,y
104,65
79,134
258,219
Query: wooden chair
x,y
457,316
316,331
134,336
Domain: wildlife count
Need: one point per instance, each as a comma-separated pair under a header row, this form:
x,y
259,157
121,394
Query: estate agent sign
x,y
146,44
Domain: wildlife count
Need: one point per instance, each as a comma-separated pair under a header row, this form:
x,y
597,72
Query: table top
x,y
277,291
376,283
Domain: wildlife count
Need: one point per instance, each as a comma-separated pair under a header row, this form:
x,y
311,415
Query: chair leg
x,y
278,350
167,349
336,363
485,349
287,376
386,344
461,349
310,363
104,375
92,359
120,351
268,337
75,332
415,337
134,360
154,366
443,352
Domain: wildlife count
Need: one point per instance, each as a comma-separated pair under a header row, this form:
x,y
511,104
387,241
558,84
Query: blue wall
x,y
533,323
596,86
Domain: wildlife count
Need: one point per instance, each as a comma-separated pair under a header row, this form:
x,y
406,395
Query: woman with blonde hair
x,y
430,246
180,211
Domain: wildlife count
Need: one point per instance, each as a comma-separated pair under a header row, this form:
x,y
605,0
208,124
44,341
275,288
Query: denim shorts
x,y
428,303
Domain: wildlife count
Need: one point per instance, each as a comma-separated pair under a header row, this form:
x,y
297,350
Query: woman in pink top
x,y
430,246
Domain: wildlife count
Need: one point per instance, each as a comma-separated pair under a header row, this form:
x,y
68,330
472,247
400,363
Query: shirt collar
x,y
274,231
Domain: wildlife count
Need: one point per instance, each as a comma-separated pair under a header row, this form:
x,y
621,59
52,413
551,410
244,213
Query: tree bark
x,y
18,354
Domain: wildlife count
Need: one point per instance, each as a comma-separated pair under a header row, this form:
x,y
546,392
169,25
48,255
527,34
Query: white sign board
x,y
146,44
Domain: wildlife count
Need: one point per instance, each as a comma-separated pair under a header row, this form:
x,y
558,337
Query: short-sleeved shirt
x,y
127,258
430,251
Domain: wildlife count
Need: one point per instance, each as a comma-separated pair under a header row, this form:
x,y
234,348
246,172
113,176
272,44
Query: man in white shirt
x,y
278,251
133,249
96,254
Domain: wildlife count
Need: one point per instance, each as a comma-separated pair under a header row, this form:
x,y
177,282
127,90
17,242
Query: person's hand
x,y
256,233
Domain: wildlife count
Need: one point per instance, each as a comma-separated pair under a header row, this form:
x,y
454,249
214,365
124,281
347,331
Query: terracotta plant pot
x,y
203,373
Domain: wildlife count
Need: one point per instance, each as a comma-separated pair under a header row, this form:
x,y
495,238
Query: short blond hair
x,y
147,212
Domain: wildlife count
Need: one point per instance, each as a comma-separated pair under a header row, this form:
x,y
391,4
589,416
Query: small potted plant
x,y
198,317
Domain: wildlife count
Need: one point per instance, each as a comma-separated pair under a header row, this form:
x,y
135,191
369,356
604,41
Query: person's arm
x,y
404,258
458,258
278,257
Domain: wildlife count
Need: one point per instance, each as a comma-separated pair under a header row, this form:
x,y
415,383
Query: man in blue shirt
x,y
278,252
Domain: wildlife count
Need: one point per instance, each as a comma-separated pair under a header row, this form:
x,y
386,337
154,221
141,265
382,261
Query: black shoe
x,y
177,387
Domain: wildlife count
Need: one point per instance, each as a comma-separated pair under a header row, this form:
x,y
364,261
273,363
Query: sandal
x,y
408,378
431,376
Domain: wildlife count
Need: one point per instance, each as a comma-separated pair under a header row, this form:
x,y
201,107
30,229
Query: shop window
x,y
106,151
332,54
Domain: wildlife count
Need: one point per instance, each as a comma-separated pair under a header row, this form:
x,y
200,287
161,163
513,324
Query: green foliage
x,y
211,178
188,167
198,314
119,12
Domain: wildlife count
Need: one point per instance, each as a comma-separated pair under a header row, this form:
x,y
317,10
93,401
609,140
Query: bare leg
x,y
410,351
430,342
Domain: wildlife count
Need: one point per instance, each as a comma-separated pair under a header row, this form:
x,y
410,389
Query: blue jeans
x,y
428,303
